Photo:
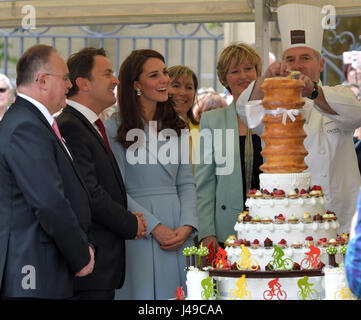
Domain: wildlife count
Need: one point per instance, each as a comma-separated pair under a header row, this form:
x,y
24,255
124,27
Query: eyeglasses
x,y
2,90
65,77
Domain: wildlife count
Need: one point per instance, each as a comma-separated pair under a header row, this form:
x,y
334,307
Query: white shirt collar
x,y
90,115
45,112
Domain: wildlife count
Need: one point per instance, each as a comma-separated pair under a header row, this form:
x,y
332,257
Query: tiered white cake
x,y
289,213
297,225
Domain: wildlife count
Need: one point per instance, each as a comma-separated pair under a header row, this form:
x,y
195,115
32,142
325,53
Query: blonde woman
x,y
219,194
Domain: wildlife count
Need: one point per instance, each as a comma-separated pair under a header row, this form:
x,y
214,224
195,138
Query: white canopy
x,y
80,12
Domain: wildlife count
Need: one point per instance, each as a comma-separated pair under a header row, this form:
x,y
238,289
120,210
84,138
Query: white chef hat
x,y
300,26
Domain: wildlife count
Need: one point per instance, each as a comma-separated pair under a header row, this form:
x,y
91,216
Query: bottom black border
x,y
185,309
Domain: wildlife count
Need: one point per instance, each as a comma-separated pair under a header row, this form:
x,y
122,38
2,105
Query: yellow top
x,y
193,143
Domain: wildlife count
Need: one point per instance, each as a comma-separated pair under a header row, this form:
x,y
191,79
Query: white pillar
x,y
239,32
262,31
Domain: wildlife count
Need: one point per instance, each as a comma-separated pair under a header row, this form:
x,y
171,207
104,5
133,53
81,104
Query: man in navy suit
x,y
44,205
93,91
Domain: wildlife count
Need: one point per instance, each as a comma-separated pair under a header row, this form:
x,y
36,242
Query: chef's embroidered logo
x,y
298,36
334,131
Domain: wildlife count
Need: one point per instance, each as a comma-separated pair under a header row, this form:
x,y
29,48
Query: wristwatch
x,y
314,93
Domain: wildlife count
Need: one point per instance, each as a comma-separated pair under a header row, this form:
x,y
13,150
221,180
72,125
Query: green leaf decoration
x,y
331,250
187,252
203,251
343,249
193,250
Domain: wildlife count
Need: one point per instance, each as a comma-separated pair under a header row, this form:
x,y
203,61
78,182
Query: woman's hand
x,y
206,241
181,235
163,233
171,239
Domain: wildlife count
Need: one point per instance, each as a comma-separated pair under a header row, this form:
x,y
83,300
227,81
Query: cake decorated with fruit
x,y
285,239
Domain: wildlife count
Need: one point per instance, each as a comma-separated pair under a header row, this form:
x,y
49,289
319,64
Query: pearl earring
x,y
138,92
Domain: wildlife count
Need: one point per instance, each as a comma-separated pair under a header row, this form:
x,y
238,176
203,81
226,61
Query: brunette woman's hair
x,y
130,109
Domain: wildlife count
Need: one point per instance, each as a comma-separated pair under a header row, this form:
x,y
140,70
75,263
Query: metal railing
x,y
196,45
188,47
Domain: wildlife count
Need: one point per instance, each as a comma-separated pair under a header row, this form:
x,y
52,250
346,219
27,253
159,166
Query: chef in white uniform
x,y
332,113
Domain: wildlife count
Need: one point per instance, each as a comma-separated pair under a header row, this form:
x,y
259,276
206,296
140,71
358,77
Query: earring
x,y
139,92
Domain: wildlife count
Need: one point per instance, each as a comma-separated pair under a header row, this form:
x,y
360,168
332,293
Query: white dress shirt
x,y
44,110
90,115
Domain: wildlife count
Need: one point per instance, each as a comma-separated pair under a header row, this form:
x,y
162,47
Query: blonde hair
x,y
241,52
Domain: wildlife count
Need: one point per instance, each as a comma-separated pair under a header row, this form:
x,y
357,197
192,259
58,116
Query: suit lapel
x,y
94,133
85,121
236,177
41,117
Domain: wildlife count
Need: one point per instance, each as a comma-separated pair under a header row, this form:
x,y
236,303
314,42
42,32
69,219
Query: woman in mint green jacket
x,y
229,153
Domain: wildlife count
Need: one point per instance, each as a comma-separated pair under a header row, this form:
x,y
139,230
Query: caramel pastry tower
x,y
284,151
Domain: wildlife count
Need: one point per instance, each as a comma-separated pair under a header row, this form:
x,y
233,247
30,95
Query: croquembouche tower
x,y
284,151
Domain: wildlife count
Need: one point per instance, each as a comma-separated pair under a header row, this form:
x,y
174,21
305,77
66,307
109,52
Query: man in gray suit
x,y
44,204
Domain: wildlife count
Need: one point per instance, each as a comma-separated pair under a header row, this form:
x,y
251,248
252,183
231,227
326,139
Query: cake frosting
x,y
194,283
258,287
285,181
336,286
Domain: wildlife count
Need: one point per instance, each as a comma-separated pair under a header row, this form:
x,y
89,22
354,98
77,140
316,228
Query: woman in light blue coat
x,y
146,138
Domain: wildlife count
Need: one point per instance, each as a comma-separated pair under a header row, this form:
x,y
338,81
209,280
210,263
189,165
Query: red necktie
x,y
101,128
56,129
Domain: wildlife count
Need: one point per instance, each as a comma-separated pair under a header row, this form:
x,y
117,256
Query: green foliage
x,y
9,57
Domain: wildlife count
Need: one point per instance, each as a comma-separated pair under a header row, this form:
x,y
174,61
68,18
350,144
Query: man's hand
x,y
142,225
88,269
309,85
276,69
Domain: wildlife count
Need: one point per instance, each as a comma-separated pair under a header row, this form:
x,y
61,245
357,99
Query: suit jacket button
x,y
223,207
